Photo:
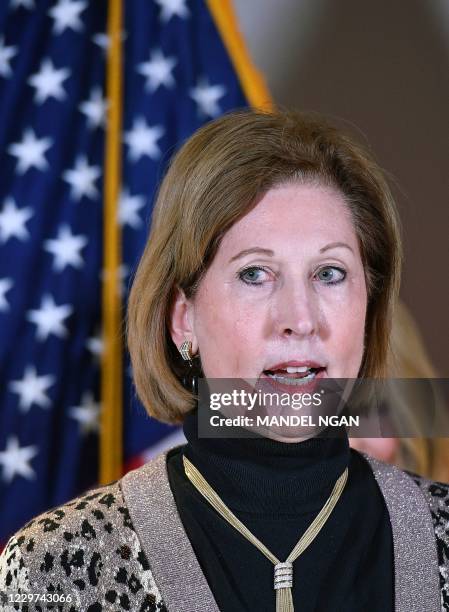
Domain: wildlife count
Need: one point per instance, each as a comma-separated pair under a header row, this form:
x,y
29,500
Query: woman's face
x,y
286,285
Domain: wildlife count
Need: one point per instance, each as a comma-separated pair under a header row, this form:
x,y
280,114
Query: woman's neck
x,y
265,476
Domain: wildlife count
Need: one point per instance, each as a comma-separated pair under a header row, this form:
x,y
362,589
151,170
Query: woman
x,y
274,245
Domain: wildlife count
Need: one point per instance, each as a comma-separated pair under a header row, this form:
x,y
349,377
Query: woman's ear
x,y
181,320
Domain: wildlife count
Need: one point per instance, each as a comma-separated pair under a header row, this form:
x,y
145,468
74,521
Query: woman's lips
x,y
310,363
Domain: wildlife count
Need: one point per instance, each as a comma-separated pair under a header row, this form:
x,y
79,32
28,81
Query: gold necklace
x,y
283,571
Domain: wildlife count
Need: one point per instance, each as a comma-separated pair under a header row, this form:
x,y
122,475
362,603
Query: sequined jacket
x,y
123,547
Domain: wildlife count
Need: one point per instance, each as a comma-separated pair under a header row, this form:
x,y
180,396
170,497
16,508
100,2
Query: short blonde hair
x,y
428,456
213,181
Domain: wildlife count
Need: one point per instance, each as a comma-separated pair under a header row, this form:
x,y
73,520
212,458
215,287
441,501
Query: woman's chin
x,y
291,438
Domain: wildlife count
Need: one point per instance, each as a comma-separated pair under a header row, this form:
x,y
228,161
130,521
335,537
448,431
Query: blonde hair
x,y
213,181
409,359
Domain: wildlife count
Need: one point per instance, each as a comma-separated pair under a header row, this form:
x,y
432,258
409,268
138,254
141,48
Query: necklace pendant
x,y
283,575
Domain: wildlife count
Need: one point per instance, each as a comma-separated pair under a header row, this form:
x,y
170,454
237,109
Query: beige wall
x,y
382,66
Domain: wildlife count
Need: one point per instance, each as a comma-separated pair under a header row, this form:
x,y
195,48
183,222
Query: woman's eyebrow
x,y
333,245
252,250
269,252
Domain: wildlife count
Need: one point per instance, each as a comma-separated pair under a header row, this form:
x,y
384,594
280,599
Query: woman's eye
x,y
251,276
331,275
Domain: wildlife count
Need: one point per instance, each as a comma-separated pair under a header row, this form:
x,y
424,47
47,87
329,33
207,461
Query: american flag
x,y
177,75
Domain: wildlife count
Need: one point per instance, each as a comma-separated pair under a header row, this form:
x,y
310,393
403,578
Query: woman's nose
x,y
296,310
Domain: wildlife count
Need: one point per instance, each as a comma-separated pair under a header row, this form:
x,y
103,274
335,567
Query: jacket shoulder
x,y
436,494
86,551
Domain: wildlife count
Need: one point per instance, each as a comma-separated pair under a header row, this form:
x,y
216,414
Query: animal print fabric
x,y
437,496
86,548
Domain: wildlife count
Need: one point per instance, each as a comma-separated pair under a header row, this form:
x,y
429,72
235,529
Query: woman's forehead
x,y
292,215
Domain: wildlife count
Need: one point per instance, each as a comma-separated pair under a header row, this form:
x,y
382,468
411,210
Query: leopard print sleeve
x,y
13,573
84,553
437,496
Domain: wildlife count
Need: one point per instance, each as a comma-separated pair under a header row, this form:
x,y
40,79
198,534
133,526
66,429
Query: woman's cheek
x,y
345,340
354,348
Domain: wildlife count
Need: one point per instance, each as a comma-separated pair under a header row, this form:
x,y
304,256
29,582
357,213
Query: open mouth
x,y
294,376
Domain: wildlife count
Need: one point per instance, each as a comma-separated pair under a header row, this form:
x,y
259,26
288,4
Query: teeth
x,y
293,381
292,370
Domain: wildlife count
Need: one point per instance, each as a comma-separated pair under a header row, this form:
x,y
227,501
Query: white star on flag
x,y
49,318
206,96
87,414
6,54
66,249
15,460
95,108
66,14
48,82
30,151
81,178
29,4
95,345
31,389
102,40
157,70
5,286
128,209
142,139
12,221
123,272
169,8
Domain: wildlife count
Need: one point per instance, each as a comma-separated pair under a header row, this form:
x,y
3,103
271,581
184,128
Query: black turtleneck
x,y
276,489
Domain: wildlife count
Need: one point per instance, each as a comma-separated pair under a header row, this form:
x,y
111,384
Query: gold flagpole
x,y
251,80
111,434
